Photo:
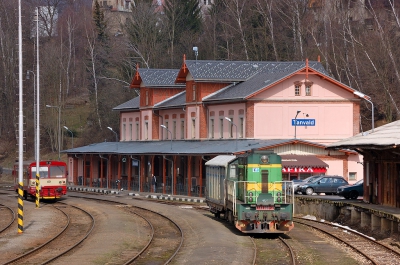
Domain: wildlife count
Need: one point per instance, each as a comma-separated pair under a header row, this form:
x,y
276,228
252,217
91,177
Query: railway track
x,y
374,252
273,248
77,228
161,228
7,217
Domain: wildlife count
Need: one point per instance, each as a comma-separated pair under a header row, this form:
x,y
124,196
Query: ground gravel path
x,y
207,240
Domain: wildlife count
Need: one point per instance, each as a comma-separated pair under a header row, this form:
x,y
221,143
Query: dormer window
x,y
297,88
308,85
308,90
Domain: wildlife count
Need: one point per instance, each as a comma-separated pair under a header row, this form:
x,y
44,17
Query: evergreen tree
x,y
100,23
182,19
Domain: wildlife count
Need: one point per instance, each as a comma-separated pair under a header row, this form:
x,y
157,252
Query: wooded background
x,y
89,54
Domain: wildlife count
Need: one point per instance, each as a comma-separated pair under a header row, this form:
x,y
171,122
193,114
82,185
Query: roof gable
x,y
155,78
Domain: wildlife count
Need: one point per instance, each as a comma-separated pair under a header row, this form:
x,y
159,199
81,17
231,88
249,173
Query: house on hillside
x,y
184,117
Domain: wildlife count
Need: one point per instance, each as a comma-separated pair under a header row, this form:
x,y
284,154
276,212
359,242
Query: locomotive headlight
x,y
250,199
278,199
250,194
278,194
264,159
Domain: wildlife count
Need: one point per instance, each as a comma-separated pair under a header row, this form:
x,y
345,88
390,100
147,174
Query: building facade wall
x,y
329,106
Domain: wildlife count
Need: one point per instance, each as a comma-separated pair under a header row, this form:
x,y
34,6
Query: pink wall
x,y
192,115
335,167
130,119
175,129
356,166
231,111
329,106
146,131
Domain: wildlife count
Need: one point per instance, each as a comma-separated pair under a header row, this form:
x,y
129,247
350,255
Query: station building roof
x,y
181,147
384,137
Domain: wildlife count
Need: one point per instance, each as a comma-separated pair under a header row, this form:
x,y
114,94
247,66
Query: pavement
x,y
148,195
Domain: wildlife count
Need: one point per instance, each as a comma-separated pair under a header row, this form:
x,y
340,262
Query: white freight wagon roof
x,y
221,160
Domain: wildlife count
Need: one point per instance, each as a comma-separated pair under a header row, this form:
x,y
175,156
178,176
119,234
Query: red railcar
x,y
53,179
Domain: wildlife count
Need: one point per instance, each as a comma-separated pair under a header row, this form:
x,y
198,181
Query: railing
x,y
281,189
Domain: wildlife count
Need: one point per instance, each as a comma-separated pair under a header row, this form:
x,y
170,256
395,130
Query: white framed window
x,y
166,133
297,90
231,128
241,127
193,128
212,128
308,90
221,128
137,131
174,130
146,130
124,132
194,92
182,129
352,175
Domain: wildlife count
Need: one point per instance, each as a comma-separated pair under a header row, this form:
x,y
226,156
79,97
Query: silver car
x,y
296,185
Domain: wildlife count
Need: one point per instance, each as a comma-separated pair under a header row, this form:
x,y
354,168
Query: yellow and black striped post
x,y
20,208
37,188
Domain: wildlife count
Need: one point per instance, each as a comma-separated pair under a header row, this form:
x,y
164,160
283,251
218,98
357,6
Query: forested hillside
x,y
86,64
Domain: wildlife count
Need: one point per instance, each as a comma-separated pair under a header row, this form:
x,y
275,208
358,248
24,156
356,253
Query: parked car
x,y
352,191
323,184
301,182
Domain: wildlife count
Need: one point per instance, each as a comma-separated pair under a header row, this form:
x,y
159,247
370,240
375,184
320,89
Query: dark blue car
x,y
324,184
351,191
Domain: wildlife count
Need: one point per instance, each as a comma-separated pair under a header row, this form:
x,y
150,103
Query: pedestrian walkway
x,y
148,195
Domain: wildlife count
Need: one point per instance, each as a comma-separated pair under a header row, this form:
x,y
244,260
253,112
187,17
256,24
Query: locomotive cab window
x,y
57,172
43,172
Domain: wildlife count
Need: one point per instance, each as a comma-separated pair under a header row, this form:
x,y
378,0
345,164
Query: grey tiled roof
x,y
244,89
207,147
132,104
159,77
177,100
384,137
235,71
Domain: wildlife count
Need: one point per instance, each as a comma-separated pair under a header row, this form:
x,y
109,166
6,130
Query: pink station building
x,y
184,117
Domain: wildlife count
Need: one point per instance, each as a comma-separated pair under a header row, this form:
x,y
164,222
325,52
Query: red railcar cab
x,y
53,179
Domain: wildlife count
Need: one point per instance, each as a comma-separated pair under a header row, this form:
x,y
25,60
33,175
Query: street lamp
x,y
231,122
116,135
367,98
165,127
72,134
59,128
28,72
295,123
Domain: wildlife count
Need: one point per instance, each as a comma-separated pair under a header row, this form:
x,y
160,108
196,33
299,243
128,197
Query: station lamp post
x,y
72,135
231,122
165,127
367,98
295,123
116,134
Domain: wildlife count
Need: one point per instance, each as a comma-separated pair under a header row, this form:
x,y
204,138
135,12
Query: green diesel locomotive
x,y
249,192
